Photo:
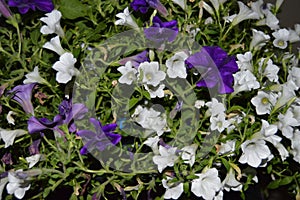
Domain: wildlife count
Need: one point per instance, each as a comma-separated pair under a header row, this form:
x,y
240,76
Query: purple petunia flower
x,y
34,147
215,67
4,10
136,60
25,5
99,140
144,5
68,112
22,94
160,31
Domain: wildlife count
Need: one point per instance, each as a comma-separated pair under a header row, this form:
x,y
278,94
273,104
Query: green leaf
x,y
284,181
72,9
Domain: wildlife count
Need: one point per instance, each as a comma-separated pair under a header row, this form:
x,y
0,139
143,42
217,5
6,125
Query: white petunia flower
x,y
254,151
150,73
126,19
245,61
244,81
128,73
188,154
286,123
65,68
34,77
219,122
167,158
176,66
281,38
153,143
32,160
215,107
199,104
54,45
271,20
230,182
53,23
244,14
10,118
207,184
287,94
263,102
16,186
259,39
227,147
229,19
270,71
296,146
174,191
293,36
8,136
181,3
157,91
294,74
216,4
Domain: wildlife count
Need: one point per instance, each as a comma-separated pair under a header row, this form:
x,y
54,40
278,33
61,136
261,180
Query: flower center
x,y
281,43
149,76
265,100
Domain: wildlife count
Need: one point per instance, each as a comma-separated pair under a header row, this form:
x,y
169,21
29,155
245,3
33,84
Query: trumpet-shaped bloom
x,y
244,14
34,77
176,66
166,158
17,185
161,31
150,73
22,94
52,22
65,68
215,67
254,151
157,91
128,73
270,70
173,191
8,136
245,81
245,61
24,5
259,39
281,38
144,5
54,45
263,102
207,184
126,19
100,139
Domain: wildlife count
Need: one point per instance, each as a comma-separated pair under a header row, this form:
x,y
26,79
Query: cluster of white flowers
x,y
65,66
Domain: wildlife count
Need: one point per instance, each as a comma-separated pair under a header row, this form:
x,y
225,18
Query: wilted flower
x,y
100,139
215,67
53,23
25,5
22,94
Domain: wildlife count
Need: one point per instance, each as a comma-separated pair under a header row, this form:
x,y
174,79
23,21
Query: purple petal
x,y
109,127
136,60
22,94
34,147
